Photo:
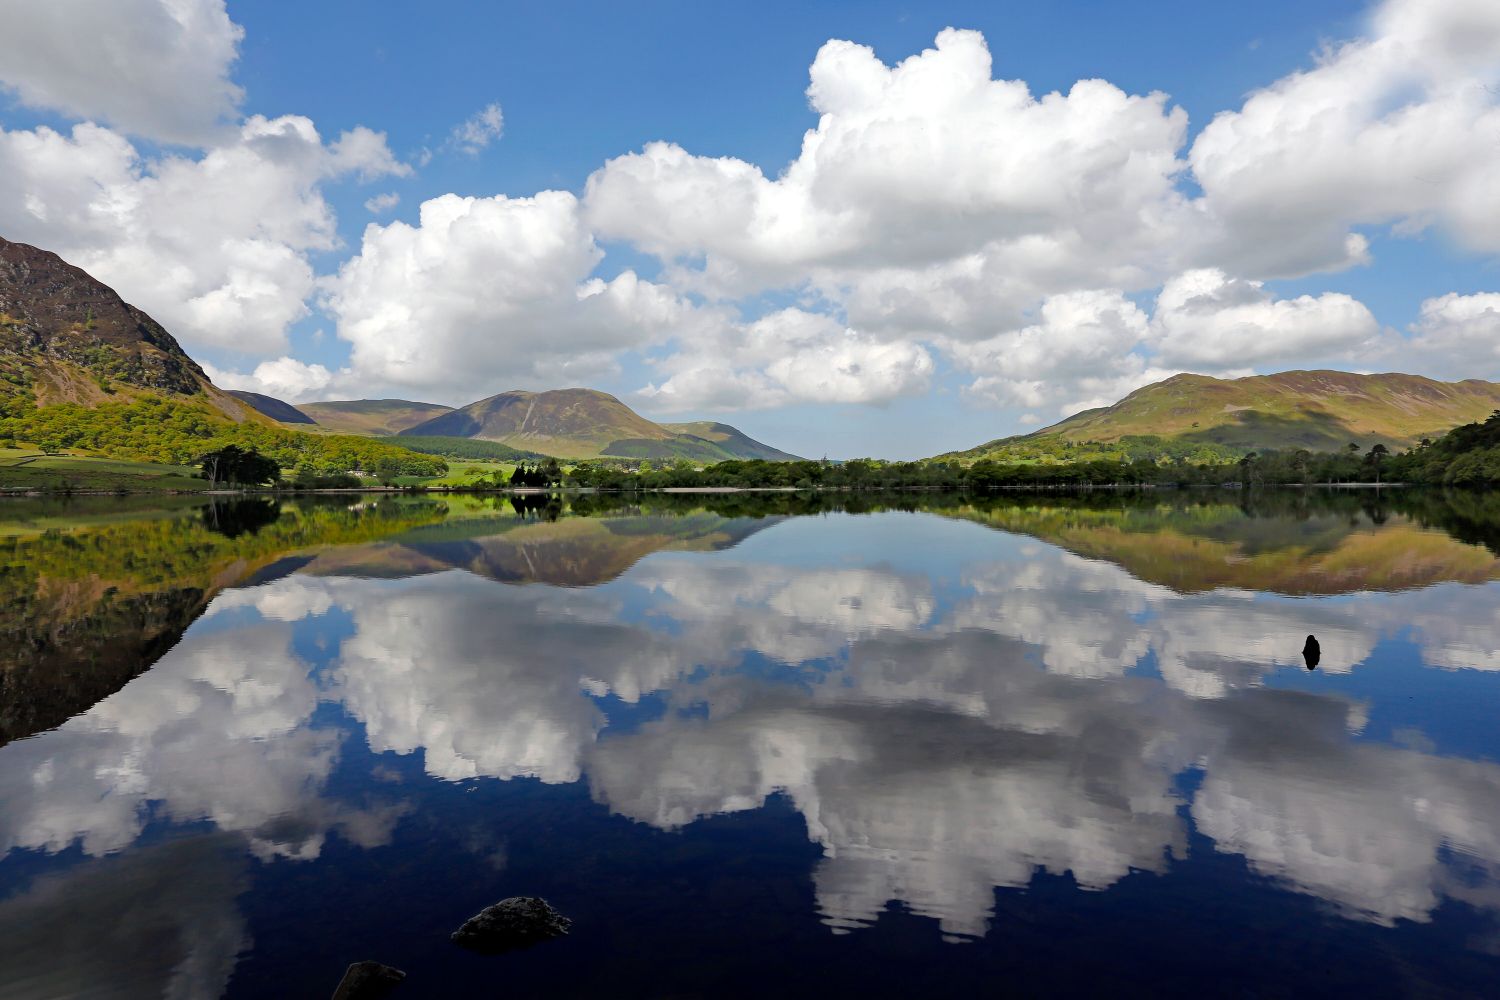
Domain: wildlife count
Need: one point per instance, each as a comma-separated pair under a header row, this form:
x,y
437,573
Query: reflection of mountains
x,y
1195,548
570,552
81,613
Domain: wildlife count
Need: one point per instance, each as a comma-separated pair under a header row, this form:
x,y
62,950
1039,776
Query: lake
x,y
816,746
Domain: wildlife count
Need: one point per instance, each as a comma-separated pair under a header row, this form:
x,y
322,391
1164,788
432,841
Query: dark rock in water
x,y
517,922
1312,652
368,981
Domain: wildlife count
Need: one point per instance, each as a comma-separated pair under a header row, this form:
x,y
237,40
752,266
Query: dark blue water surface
x,y
1047,746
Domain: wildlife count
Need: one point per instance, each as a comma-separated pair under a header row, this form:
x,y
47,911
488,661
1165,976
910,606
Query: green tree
x,y
233,464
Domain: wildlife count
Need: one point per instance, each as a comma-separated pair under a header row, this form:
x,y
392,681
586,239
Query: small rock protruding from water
x,y
368,981
511,924
1312,652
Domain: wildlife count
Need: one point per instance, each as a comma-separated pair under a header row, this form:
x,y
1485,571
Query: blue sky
x,y
950,265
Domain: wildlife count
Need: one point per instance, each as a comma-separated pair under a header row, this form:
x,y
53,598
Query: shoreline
x,y
689,490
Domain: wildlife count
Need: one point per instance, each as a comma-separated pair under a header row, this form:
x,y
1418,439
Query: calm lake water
x,y
910,746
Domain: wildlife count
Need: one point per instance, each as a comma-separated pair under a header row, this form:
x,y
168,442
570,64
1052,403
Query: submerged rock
x,y
517,922
368,981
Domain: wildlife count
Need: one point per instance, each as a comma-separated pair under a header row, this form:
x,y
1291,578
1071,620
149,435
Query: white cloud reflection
x,y
953,726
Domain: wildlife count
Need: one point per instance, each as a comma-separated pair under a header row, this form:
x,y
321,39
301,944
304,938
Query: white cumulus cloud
x,y
216,247
912,166
486,294
1459,335
1395,128
285,378
788,356
1204,317
154,68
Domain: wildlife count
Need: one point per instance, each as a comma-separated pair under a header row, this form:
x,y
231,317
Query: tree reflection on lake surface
x,y
790,745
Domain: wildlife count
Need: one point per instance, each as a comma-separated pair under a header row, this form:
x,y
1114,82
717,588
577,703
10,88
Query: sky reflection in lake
x,y
900,745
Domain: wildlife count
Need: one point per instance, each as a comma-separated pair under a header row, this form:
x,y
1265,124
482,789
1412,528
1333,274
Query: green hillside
x,y
373,417
468,448
731,439
1315,410
586,423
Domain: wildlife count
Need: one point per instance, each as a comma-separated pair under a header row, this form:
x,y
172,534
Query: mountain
x,y
373,417
272,407
586,423
1317,410
731,439
69,338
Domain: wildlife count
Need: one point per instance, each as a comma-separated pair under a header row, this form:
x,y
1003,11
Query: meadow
x,y
30,469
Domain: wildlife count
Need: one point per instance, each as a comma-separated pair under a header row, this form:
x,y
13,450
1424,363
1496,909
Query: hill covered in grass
x,y
1312,410
586,423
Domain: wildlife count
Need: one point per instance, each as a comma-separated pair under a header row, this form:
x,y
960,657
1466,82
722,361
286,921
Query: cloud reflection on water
x,y
950,726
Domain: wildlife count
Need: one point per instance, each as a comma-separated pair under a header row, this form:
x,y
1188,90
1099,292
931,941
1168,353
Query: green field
x,y
462,472
29,469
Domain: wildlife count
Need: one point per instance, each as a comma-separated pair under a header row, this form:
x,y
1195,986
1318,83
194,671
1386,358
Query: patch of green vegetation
x,y
464,473
29,470
1465,456
172,432
686,447
471,449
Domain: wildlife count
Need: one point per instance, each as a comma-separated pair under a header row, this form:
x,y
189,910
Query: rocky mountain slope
x,y
67,337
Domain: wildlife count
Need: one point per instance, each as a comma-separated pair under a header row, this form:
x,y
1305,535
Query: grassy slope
x,y
466,449
375,417
22,468
462,472
1318,410
736,443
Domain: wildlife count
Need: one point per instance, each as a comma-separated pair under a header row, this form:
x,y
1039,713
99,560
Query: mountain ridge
x,y
587,423
377,417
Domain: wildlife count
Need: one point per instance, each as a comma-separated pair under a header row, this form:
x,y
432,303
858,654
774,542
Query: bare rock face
x,y
511,924
368,981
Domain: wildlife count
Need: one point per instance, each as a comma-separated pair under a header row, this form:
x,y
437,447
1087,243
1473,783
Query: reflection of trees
x,y
1469,516
233,518
82,612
